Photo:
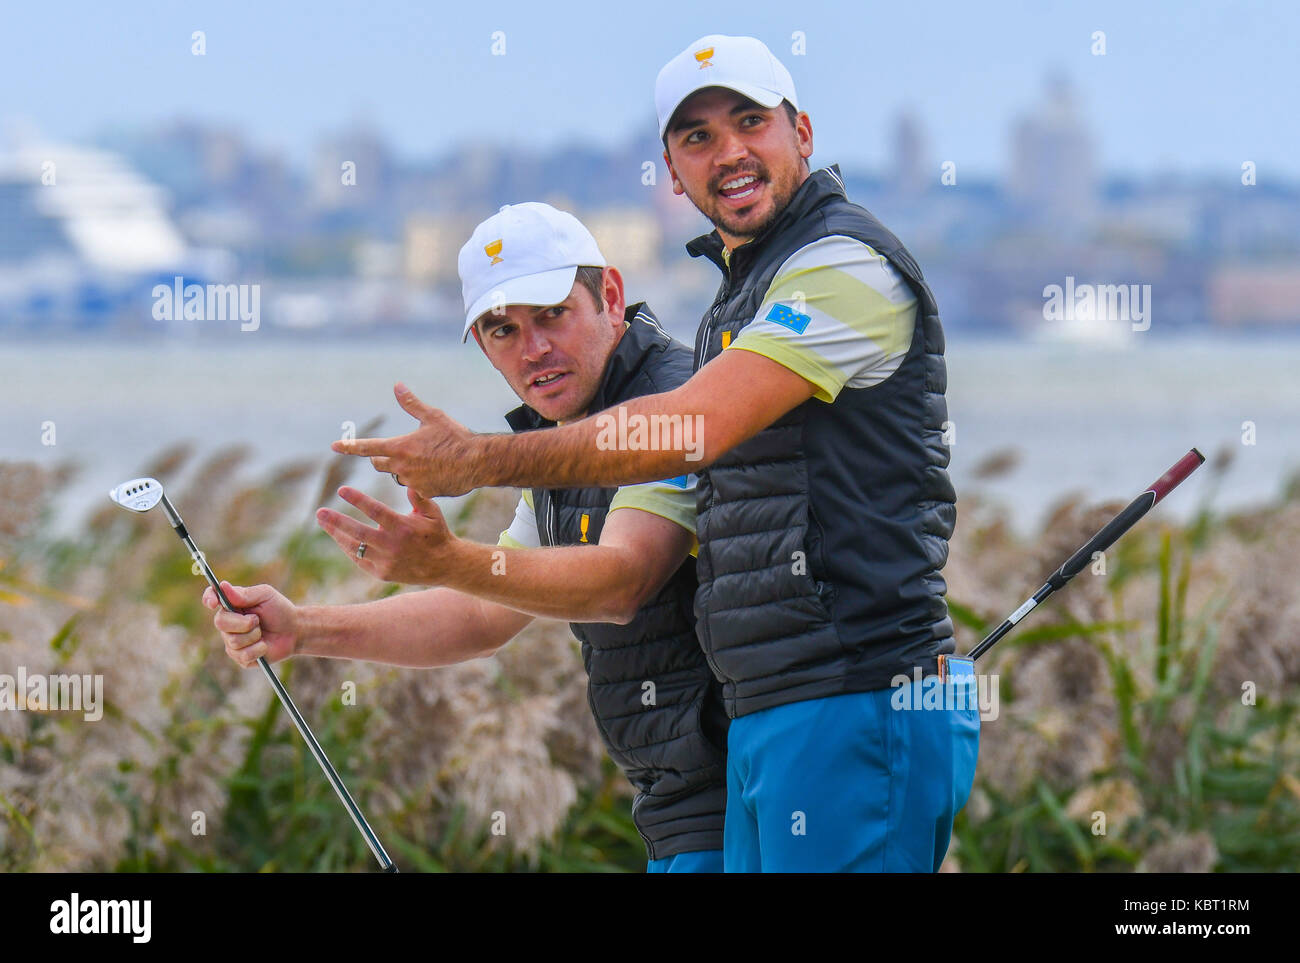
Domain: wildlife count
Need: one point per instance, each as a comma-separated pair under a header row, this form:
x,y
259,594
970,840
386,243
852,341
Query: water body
x,y
1103,422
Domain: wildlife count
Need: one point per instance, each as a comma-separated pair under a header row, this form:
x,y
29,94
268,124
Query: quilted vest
x,y
822,537
670,738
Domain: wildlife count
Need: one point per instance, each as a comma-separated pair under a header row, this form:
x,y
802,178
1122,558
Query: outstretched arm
x,y
729,400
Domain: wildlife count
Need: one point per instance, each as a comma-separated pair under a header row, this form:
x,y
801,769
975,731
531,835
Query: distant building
x,y
1255,295
430,246
629,237
677,217
1053,178
223,192
352,169
1168,218
912,172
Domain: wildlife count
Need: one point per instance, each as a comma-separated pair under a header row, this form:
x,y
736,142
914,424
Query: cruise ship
x,y
82,238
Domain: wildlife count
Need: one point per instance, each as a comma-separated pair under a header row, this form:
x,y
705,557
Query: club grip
x,y
1171,479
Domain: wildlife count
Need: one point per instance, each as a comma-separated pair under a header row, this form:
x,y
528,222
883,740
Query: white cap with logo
x,y
524,254
742,64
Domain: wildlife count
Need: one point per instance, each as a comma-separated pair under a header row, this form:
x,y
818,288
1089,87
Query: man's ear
x,y
803,134
612,292
677,185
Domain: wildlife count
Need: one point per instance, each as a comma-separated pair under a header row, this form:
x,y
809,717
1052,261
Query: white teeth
x,y
548,379
739,182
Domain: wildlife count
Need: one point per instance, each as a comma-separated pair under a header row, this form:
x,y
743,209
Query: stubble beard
x,y
782,193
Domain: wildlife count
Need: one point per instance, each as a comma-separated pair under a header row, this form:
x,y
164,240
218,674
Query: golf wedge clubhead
x,y
141,495
138,494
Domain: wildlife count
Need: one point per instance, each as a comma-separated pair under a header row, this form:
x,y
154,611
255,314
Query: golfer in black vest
x,y
550,316
824,506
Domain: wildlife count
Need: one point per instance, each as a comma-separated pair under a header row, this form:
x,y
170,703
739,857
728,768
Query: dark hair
x,y
790,112
593,279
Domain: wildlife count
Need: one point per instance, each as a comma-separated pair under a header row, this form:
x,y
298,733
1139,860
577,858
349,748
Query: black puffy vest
x,y
674,750
822,537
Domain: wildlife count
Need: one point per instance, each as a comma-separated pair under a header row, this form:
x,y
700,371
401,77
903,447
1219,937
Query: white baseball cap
x,y
524,254
742,64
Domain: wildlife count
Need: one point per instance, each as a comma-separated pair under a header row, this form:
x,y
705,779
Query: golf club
x,y
142,494
1109,533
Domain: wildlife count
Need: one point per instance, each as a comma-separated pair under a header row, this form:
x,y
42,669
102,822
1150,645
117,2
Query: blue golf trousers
x,y
864,782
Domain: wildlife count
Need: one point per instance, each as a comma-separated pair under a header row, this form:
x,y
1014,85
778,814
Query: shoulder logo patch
x,y
787,317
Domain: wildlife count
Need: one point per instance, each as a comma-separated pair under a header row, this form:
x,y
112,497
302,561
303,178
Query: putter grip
x,y
1171,479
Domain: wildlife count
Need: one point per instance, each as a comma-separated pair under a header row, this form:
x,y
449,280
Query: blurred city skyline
x,y
347,220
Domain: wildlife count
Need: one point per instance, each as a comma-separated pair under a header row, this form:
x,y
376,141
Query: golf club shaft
x,y
287,701
1105,538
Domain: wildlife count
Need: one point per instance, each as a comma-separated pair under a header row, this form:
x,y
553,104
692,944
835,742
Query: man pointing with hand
x,y
824,508
617,562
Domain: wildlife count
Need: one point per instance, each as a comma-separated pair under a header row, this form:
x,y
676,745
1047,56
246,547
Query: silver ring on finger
x,y
361,550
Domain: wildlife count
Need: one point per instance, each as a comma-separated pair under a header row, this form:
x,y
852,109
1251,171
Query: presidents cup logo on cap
x,y
547,246
742,64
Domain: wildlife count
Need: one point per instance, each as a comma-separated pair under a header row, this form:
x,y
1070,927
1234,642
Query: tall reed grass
x,y
1125,702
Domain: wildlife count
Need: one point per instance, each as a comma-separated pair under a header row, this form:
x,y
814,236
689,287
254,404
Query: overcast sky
x,y
1193,87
